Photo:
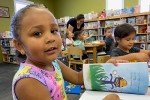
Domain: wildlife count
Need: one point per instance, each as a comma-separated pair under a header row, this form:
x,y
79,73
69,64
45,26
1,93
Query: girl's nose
x,y
50,38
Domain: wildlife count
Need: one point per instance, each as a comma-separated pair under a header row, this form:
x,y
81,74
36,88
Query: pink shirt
x,y
52,80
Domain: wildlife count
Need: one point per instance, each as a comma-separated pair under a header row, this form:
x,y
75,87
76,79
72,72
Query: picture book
x,y
97,95
125,78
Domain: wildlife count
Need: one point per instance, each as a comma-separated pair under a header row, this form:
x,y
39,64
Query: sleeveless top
x,y
52,80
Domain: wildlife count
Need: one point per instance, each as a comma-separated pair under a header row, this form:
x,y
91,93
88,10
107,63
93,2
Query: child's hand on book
x,y
111,97
114,61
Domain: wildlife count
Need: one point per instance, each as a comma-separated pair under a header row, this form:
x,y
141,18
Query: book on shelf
x,y
124,11
131,20
137,9
140,20
130,10
148,29
148,19
130,78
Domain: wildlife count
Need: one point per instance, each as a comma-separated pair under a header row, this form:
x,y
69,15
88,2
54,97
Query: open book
x,y
103,79
125,78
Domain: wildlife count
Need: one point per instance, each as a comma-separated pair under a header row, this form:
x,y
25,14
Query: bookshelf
x,y
7,48
140,21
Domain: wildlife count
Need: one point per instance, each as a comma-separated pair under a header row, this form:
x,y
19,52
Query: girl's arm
x,y
146,51
70,29
71,75
31,89
142,57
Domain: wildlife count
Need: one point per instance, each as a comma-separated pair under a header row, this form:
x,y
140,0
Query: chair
x,y
103,59
76,51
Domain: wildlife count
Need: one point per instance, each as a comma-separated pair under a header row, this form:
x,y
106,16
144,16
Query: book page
x,y
97,95
125,78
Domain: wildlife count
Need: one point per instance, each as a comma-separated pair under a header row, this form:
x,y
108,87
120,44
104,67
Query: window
x,y
144,5
111,4
18,4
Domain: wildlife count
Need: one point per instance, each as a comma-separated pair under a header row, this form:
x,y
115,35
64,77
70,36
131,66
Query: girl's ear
x,y
18,47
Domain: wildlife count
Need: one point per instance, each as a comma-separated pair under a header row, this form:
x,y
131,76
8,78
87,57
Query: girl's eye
x,y
37,34
54,30
128,39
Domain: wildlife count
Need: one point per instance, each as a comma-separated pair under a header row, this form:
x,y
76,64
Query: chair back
x,y
77,51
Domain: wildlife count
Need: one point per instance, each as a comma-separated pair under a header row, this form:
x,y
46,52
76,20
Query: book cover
x,y
125,78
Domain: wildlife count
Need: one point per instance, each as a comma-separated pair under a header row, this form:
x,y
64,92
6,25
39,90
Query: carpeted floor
x,y
7,72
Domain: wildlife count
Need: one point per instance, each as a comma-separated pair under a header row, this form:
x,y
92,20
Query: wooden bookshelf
x,y
7,48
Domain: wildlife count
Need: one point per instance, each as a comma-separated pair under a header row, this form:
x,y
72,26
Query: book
x,y
97,95
131,20
125,78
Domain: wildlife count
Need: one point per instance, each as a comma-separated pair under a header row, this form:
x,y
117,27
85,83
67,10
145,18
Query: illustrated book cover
x,y
125,78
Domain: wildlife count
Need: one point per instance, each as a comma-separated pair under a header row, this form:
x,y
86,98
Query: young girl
x,y
69,39
109,41
79,42
37,40
124,36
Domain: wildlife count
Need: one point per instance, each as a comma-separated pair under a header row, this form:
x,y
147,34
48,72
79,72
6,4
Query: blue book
x,y
72,88
130,78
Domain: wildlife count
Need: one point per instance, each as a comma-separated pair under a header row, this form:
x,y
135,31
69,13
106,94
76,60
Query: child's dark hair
x,y
80,16
124,30
107,28
16,26
76,34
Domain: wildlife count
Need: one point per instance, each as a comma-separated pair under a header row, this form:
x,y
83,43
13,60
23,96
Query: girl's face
x,y
126,43
39,36
80,37
70,35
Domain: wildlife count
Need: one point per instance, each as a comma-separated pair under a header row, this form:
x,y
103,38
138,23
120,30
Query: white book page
x,y
97,95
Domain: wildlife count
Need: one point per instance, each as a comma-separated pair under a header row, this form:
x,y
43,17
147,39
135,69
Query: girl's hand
x,y
112,97
114,61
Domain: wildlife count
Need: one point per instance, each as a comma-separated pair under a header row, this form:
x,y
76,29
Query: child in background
x,y
40,75
109,41
79,42
69,39
124,35
63,47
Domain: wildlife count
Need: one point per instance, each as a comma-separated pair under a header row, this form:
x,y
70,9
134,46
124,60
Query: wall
x,y
5,22
130,3
74,7
48,3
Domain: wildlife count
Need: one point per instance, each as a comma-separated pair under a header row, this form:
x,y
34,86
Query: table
x,y
93,48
